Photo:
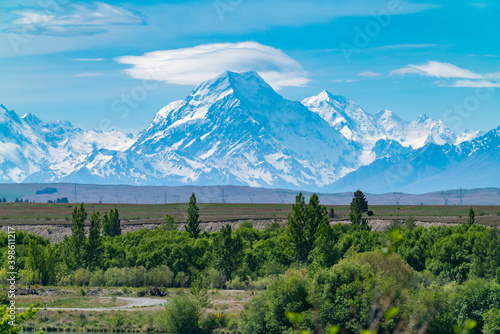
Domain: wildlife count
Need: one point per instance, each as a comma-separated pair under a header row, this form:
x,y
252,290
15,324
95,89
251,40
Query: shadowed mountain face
x,y
236,130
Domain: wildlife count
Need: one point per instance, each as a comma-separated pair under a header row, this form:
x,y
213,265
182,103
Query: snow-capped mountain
x,y
236,130
31,147
366,129
471,164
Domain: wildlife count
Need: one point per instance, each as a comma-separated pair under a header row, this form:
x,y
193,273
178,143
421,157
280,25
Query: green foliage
x,y
245,224
94,242
10,324
78,240
303,224
192,221
41,261
491,320
356,211
266,312
363,203
111,224
169,224
227,251
181,315
471,220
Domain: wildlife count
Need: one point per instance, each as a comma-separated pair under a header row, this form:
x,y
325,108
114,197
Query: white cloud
x,y
346,81
369,74
450,71
87,74
403,46
88,59
438,70
190,66
479,5
475,84
73,19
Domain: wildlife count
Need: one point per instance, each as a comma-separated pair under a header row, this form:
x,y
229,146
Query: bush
x,y
265,313
180,315
214,320
369,213
491,321
135,276
236,284
97,278
115,277
182,279
82,277
262,283
217,279
159,276
245,224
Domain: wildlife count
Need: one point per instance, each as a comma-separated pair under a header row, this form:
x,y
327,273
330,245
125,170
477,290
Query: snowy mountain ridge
x,y
233,130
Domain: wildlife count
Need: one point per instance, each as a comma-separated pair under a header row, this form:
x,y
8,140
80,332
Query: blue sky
x,y
115,63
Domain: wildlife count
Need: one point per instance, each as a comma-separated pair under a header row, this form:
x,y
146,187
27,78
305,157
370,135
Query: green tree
x,y
111,224
471,219
193,223
169,224
356,212
115,222
41,261
94,242
14,326
303,224
363,203
227,251
78,239
106,227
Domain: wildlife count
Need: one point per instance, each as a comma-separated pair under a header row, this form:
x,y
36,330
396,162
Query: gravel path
x,y
132,302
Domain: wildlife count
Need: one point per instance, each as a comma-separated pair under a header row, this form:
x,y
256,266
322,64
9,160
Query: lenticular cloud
x,y
190,66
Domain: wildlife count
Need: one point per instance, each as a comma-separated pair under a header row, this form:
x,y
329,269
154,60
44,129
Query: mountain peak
x,y
31,119
244,85
8,113
326,96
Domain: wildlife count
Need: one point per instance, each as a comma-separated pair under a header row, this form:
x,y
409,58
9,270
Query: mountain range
x,y
236,130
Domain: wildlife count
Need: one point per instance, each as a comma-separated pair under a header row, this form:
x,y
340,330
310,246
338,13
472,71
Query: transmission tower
x,y
446,196
251,197
397,196
223,195
282,197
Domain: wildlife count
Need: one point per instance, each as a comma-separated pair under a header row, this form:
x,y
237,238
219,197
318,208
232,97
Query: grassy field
x,y
44,213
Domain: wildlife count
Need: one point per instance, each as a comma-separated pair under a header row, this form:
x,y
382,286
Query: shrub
x,y
369,213
245,224
180,315
236,283
82,277
182,279
217,279
214,320
491,321
159,276
97,278
115,277
135,276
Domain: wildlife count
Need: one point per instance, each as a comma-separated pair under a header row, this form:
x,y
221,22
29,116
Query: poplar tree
x,y
78,239
94,242
192,222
